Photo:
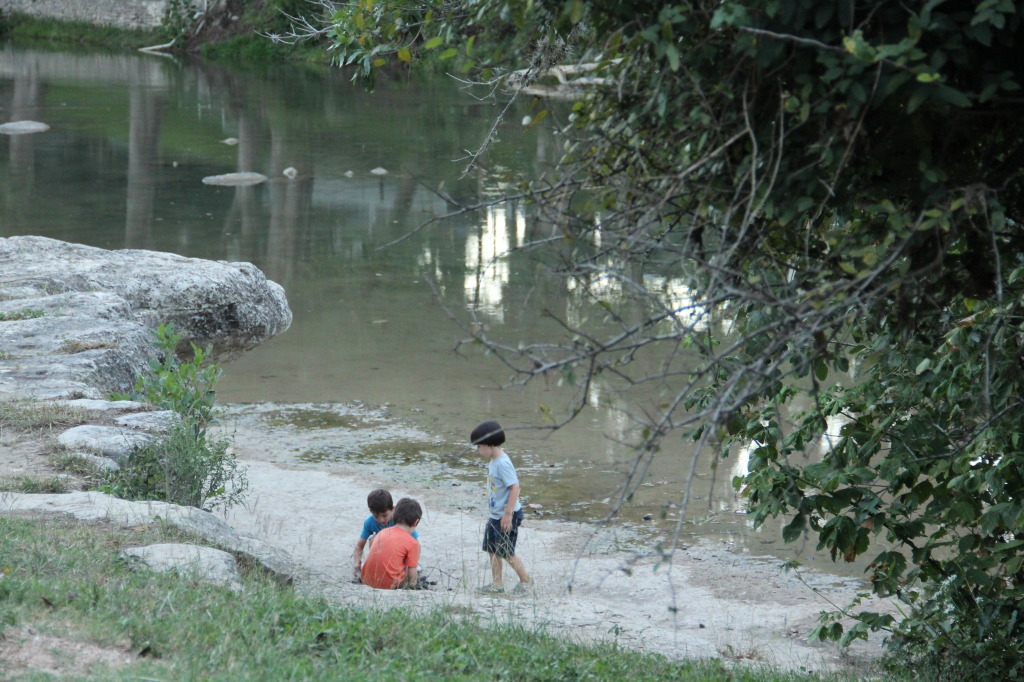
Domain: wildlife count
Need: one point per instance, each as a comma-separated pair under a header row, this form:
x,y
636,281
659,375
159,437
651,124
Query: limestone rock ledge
x,y
95,506
98,307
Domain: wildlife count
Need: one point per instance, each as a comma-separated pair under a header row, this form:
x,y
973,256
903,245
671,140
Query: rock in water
x,y
23,127
235,179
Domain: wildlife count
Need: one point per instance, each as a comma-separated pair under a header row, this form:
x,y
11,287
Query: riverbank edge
x,y
219,37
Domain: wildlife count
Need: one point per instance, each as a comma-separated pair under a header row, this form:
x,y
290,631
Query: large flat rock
x,y
76,321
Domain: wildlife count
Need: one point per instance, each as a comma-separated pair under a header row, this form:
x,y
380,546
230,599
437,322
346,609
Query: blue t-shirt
x,y
500,476
371,527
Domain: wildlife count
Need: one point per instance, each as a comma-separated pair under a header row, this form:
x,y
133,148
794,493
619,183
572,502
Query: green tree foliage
x,y
839,187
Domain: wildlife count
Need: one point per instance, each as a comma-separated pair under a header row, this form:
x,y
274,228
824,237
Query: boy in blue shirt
x,y
506,512
382,508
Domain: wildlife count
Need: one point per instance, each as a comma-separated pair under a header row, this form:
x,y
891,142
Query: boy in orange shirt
x,y
395,553
381,510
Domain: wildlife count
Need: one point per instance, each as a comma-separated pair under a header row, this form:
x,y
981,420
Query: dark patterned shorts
x,y
502,544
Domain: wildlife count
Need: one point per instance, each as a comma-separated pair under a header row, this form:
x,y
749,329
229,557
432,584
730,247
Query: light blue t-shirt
x,y
371,527
500,476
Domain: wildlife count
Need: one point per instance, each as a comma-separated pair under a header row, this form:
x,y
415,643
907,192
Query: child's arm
x,y
513,497
357,557
411,576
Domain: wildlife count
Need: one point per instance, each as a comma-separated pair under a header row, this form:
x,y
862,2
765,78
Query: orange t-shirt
x,y
393,550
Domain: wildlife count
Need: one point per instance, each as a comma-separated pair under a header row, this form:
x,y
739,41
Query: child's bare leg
x,y
520,568
495,570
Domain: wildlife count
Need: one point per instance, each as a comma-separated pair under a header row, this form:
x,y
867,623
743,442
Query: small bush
x,y
184,387
181,469
182,466
956,632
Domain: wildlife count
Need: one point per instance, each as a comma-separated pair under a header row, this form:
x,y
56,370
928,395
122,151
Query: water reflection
x,y
487,267
131,138
145,109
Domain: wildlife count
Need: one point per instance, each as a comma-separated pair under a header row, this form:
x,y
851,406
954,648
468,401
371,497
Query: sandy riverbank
x,y
711,600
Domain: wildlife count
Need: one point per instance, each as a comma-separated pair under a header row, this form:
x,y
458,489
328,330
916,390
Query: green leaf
x,y
1006,546
404,54
917,97
944,93
541,115
436,41
673,57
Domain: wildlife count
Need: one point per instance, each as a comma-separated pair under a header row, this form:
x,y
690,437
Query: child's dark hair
x,y
379,501
487,433
407,512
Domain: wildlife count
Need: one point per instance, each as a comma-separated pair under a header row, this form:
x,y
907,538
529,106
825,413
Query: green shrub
x,y
184,387
182,466
182,469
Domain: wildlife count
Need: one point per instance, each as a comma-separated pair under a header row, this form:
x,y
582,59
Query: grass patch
x,y
67,577
251,50
23,314
33,415
31,484
73,463
71,347
69,33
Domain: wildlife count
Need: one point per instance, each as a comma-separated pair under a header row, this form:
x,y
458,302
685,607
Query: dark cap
x,y
487,433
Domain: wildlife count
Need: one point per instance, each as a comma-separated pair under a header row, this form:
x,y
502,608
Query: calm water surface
x,y
131,137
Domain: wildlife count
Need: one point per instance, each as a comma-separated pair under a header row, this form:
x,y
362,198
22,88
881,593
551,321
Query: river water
x,y
132,136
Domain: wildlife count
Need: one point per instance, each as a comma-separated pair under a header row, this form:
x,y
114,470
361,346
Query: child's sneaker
x,y
522,589
490,589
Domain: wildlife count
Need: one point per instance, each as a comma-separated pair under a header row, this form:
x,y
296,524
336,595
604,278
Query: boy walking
x,y
506,512
394,553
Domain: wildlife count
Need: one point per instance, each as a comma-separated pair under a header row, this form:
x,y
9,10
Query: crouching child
x,y
395,553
